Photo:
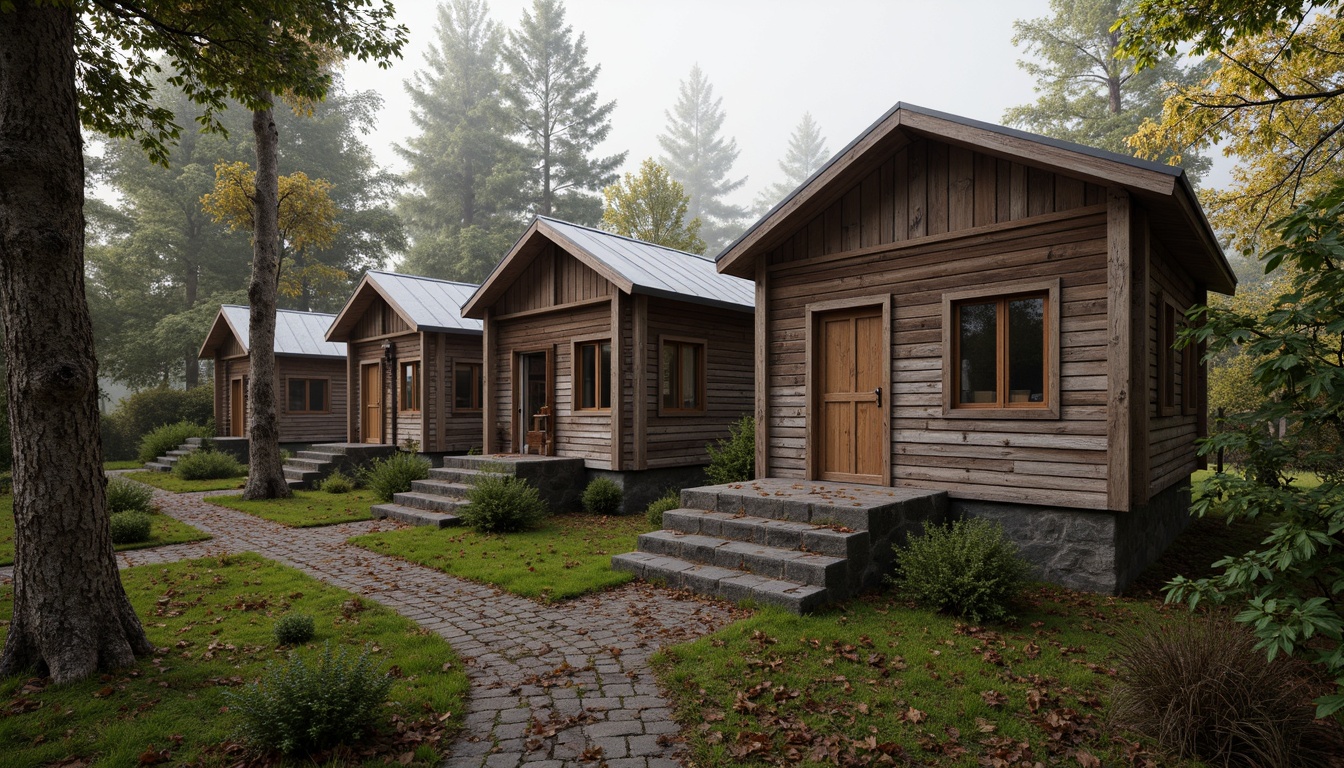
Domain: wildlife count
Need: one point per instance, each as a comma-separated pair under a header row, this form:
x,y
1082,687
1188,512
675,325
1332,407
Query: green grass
x,y
111,465
567,556
305,509
879,677
212,619
163,530
167,481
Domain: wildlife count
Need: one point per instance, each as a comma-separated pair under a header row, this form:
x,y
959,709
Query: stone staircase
x,y
436,501
798,545
310,467
234,445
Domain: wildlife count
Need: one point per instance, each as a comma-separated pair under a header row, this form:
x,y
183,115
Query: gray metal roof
x,y
659,270
429,304
296,333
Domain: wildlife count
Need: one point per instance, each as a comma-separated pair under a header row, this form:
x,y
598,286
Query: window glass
x,y
667,376
410,389
604,375
690,376
977,346
317,395
588,376
297,395
467,386
1026,350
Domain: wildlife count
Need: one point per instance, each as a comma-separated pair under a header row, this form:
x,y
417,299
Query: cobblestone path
x,y
552,685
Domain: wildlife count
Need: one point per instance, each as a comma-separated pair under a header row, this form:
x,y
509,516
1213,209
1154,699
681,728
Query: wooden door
x,y
851,380
371,403
237,409
533,374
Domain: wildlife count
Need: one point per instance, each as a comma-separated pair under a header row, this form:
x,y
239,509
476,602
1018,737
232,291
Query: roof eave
x,y
691,299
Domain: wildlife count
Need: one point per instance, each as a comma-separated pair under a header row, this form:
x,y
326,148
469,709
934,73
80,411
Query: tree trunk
x,y
192,365
71,615
265,477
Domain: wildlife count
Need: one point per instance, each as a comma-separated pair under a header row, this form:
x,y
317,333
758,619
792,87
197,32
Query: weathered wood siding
x,y
328,426
446,428
552,278
1171,437
407,346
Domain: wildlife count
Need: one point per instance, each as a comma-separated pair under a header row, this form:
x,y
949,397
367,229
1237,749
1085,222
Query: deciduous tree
x,y
701,159
651,206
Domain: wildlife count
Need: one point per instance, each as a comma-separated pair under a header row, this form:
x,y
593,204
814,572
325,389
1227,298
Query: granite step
x,y
318,456
429,502
180,452
459,475
771,562
414,516
155,466
785,534
448,488
726,583
307,465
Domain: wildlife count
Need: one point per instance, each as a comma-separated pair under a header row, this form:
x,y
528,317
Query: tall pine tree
x,y
555,109
807,151
701,160
465,170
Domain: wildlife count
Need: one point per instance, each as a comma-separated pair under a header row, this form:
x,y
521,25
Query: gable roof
x,y
297,334
426,303
1165,190
633,266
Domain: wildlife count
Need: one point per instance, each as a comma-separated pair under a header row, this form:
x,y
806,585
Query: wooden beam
x,y
762,349
554,308
640,400
488,394
1126,354
353,394
617,400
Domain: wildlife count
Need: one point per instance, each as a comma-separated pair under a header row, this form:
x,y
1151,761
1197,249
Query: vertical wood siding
x,y
1171,439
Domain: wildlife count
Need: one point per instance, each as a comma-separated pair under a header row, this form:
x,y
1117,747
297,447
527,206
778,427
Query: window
x,y
410,386
308,396
467,387
1190,374
593,360
1166,357
1001,351
681,387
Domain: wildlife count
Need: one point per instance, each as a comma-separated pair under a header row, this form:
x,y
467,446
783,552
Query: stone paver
x,y
550,683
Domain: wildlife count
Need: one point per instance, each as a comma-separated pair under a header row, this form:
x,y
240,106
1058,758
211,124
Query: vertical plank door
x,y
371,403
849,371
237,409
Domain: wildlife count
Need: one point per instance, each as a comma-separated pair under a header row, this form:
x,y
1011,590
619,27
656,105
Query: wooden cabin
x,y
310,369
628,355
954,305
414,363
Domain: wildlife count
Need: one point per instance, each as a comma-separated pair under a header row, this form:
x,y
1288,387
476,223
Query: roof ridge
x,y
422,277
281,309
625,237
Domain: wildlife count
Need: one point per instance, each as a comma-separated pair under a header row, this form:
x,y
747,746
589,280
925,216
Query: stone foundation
x,y
1095,551
640,487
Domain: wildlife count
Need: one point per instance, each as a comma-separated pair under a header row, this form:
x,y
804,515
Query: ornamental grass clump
x,y
129,527
668,501
208,465
602,497
128,496
394,474
337,482
294,629
503,504
298,708
968,569
1202,690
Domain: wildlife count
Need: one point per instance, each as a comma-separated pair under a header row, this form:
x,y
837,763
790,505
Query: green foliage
x,y
394,474
602,497
967,569
138,414
806,153
337,482
159,441
699,158
128,496
734,460
130,527
208,465
1203,691
651,207
503,504
656,508
297,708
294,629
1290,588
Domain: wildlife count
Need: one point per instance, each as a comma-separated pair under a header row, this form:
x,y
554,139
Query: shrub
x,y
337,482
129,527
208,465
967,569
656,508
602,497
168,437
297,708
503,504
128,496
141,412
395,473
1202,690
734,460
294,629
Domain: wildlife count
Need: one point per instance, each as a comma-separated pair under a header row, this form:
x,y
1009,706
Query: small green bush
x,y
395,473
294,629
503,504
968,569
602,497
337,482
656,508
208,465
141,412
734,460
168,437
128,496
129,527
298,708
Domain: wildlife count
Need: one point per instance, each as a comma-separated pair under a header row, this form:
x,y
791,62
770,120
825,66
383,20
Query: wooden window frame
x,y
576,373
702,385
1003,292
1168,320
307,395
478,385
415,385
1190,377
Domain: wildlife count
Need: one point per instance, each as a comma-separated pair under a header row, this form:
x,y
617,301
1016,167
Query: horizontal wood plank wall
x,y
327,427
221,378
461,428
730,367
1171,439
1052,462
364,352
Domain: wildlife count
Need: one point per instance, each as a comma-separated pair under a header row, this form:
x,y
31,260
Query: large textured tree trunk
x,y
71,616
265,477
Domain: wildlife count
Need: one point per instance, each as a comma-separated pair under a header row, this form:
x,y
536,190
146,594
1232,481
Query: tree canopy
x,y
651,206
806,152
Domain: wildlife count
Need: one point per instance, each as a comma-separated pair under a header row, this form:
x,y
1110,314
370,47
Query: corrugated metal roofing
x,y
429,304
656,269
296,333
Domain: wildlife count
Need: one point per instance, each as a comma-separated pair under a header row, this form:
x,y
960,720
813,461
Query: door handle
x,y
878,392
